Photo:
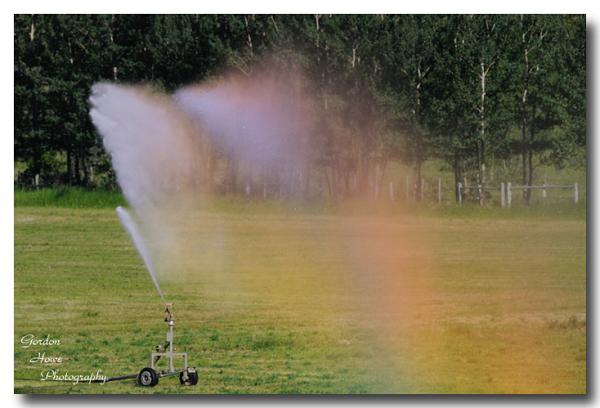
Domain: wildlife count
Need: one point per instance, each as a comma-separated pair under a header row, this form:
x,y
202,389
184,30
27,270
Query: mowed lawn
x,y
300,303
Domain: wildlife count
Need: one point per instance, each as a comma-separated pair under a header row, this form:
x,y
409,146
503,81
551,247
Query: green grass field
x,y
272,300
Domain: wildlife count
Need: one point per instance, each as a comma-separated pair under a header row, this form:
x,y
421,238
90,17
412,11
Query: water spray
x,y
130,226
155,144
154,141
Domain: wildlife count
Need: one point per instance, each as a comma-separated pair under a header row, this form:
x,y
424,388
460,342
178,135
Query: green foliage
x,y
418,75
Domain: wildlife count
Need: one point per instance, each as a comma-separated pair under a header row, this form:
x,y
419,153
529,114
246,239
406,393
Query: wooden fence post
x,y
576,193
508,194
37,181
544,193
459,185
439,190
502,196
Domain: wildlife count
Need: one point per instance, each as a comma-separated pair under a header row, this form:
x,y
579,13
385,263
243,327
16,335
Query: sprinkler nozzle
x,y
168,312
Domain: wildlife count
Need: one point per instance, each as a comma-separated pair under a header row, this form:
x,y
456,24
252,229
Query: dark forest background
x,y
479,94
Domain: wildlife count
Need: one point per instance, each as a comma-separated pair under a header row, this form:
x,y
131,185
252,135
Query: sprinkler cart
x,y
148,376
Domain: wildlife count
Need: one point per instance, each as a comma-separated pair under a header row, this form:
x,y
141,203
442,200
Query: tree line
x,y
482,94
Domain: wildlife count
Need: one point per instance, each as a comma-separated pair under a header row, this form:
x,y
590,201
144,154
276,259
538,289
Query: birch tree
x,y
540,63
481,46
407,62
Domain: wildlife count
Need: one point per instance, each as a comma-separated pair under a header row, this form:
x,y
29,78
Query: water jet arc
x,y
130,226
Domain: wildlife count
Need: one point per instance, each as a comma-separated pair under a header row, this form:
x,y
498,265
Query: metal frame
x,y
170,354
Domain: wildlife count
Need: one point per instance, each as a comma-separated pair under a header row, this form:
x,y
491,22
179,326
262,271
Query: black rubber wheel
x,y
191,380
147,377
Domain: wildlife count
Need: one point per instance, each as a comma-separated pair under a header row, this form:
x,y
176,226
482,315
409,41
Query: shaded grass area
x,y
311,303
71,197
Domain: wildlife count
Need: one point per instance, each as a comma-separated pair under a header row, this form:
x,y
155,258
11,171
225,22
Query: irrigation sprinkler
x,y
149,375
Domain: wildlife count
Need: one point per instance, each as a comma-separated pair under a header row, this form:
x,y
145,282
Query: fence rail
x,y
436,190
508,189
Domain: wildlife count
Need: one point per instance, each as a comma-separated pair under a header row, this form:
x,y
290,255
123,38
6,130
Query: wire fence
x,y
504,194
443,191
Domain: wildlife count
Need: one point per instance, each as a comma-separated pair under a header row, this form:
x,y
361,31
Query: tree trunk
x,y
530,164
77,169
69,167
382,175
420,151
529,175
457,174
524,145
37,162
481,147
211,164
418,165
362,175
306,180
478,174
84,165
32,29
248,37
329,183
231,176
524,149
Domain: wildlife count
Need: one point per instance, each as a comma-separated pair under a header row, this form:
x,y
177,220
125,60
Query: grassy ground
x,y
70,197
269,300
